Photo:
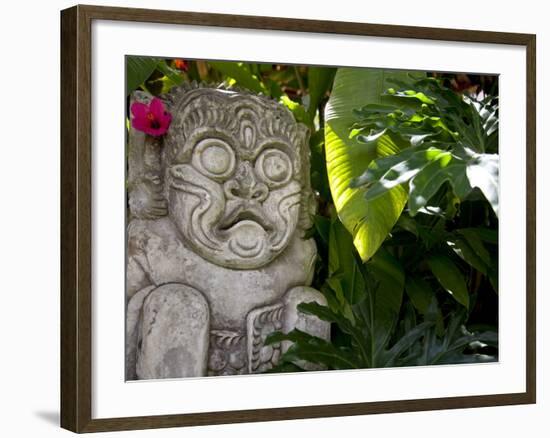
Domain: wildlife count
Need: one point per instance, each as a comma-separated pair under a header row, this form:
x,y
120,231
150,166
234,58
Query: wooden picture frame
x,y
76,217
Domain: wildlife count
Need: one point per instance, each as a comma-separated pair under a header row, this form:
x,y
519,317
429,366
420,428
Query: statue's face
x,y
235,187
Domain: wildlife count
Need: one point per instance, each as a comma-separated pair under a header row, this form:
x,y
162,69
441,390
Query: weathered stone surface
x,y
174,333
218,214
306,323
145,188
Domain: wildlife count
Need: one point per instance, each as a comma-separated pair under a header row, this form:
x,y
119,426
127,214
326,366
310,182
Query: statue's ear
x,y
308,204
145,180
303,135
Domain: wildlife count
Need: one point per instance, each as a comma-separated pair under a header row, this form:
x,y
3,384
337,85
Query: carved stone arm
x,y
283,316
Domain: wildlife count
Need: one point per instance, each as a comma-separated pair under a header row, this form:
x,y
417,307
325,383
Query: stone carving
x,y
216,256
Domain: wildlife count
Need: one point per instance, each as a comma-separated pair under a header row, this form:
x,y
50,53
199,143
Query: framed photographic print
x,y
267,218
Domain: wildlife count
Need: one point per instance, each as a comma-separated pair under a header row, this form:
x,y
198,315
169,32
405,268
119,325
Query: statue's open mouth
x,y
241,214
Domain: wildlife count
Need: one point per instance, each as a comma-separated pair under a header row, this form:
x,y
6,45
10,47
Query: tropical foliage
x,y
405,168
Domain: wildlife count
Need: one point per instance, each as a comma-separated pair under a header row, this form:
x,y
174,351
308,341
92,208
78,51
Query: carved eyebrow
x,y
203,112
274,143
225,113
281,125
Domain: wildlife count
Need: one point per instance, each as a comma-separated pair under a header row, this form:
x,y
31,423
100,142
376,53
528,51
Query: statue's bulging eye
x,y
274,166
214,158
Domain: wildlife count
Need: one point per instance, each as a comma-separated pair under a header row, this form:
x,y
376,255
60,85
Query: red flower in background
x,y
180,64
153,119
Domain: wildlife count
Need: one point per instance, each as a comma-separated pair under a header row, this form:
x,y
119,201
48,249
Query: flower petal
x,y
140,124
157,108
143,115
165,119
139,110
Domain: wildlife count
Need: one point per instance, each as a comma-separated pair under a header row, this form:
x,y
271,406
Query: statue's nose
x,y
245,185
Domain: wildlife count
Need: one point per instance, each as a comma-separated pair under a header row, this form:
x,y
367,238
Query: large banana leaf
x,y
368,221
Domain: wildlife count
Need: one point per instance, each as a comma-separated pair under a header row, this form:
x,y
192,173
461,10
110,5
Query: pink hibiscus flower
x,y
153,119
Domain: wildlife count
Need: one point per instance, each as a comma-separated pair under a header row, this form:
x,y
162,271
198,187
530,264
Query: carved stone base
x,y
260,323
170,337
227,354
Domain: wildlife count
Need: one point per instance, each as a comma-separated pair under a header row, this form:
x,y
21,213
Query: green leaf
x,y
293,336
426,183
387,270
319,178
326,314
313,349
457,124
342,262
390,356
273,87
368,221
407,223
298,110
346,325
493,277
343,306
172,74
462,248
411,94
241,73
380,166
486,235
488,337
375,110
450,277
138,70
332,301
406,169
323,353
474,239
322,225
419,292
285,367
307,347
482,172
319,82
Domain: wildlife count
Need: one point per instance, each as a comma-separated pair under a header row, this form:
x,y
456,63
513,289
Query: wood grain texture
x,y
298,25
76,189
76,223
69,330
277,414
531,219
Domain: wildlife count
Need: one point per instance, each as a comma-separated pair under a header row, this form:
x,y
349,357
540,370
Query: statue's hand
x,y
311,324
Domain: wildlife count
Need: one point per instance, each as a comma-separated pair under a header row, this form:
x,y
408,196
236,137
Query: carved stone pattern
x,y
227,354
260,324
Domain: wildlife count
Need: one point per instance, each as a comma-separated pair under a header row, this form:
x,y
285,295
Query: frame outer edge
x,y
76,223
304,25
531,218
76,249
84,217
69,345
